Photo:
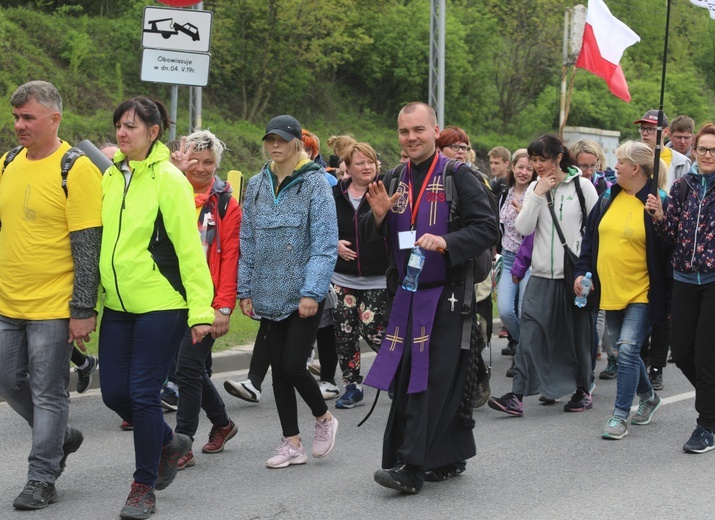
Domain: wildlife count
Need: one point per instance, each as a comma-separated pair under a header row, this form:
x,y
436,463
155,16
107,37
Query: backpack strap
x,y
10,157
223,202
68,159
582,203
395,174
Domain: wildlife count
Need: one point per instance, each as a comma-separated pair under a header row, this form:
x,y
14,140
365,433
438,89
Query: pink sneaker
x,y
286,455
324,438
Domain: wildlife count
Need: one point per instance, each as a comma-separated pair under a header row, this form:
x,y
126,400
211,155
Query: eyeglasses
x,y
681,137
701,150
458,147
646,129
586,167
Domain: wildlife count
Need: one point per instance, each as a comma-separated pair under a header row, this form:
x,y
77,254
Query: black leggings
x,y
289,343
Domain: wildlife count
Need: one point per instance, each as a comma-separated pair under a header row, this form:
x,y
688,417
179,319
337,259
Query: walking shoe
x,y
352,397
218,437
580,402
701,441
615,429
655,375
186,461
179,446
510,370
72,443
611,370
546,400
510,349
84,375
169,400
646,409
36,495
140,504
329,390
445,472
508,403
287,454
126,426
314,367
483,393
399,478
324,437
243,390
503,333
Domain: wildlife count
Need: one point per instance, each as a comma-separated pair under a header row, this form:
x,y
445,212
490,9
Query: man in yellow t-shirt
x,y
49,275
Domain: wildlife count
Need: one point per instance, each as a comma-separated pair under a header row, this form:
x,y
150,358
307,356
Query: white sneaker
x,y
287,454
243,390
329,390
324,439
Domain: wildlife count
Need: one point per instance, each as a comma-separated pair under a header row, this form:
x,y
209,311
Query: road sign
x,y
177,29
175,68
179,3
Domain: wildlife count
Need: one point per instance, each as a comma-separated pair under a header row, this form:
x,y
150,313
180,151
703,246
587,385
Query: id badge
x,y
407,239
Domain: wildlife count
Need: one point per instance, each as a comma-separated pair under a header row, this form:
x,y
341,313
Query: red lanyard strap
x,y
422,190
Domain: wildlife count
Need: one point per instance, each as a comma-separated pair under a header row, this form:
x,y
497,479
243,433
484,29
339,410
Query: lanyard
x,y
422,190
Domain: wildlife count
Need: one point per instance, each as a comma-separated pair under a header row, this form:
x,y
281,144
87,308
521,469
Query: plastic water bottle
x,y
414,268
580,301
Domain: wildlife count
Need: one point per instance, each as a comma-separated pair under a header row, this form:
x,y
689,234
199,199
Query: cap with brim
x,y
286,127
651,118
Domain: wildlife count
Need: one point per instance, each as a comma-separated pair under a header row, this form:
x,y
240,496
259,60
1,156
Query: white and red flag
x,y
605,38
707,4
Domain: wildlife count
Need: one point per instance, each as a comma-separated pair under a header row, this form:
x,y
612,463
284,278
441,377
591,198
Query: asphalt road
x,y
546,465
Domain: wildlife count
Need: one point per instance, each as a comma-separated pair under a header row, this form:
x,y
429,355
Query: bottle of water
x,y
414,268
586,283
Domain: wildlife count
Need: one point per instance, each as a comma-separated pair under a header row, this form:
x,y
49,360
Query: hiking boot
x,y
36,495
508,403
324,438
510,370
186,461
611,370
72,443
243,390
580,402
219,436
655,375
140,504
399,478
701,441
179,446
510,349
615,429
329,390
483,393
646,409
352,397
84,375
169,400
287,454
126,426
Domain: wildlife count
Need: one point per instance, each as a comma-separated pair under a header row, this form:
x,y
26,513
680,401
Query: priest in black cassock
x,y
423,359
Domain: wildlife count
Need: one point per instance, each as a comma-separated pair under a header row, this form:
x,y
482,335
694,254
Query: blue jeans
x,y
510,295
34,376
628,329
136,351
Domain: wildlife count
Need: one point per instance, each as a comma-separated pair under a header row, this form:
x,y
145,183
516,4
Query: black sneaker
x,y
400,478
140,504
656,378
510,370
445,472
36,495
169,400
179,446
510,349
580,402
72,443
84,375
701,441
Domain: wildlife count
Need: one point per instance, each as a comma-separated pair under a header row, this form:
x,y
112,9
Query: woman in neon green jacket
x,y
156,279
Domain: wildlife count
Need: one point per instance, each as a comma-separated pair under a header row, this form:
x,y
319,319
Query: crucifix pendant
x,y
452,300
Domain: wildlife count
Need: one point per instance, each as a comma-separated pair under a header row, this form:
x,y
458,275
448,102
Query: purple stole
x,y
432,217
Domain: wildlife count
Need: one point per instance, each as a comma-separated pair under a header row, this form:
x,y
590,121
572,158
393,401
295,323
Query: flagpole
x,y
659,134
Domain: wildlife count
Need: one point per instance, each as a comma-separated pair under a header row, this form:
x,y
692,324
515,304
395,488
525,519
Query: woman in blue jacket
x,y
289,243
629,263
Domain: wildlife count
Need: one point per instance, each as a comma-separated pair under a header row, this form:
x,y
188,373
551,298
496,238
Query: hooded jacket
x,y
151,257
289,241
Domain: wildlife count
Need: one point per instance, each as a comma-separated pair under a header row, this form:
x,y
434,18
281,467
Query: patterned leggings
x,y
359,313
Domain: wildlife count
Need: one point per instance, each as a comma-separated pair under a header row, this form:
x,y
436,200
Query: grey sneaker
x,y
140,504
171,453
646,409
72,443
36,495
84,375
615,429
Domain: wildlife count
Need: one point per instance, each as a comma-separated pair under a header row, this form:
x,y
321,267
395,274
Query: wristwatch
x,y
226,311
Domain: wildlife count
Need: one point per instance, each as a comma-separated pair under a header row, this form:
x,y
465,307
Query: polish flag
x,y
707,4
605,38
